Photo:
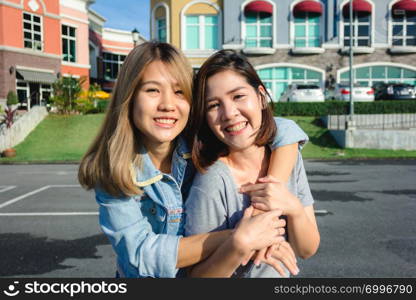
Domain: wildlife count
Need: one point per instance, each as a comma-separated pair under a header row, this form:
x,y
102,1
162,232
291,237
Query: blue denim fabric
x,y
145,230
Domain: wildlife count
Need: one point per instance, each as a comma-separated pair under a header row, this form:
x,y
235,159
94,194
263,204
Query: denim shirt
x,y
144,230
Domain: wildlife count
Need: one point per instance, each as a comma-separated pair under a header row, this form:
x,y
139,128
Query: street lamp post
x,y
351,116
135,35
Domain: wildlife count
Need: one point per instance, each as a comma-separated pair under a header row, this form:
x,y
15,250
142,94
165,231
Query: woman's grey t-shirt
x,y
215,204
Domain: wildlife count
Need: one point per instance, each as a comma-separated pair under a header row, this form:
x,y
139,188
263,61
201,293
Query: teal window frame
x,y
258,30
202,32
380,73
278,78
112,63
161,30
405,38
358,22
311,27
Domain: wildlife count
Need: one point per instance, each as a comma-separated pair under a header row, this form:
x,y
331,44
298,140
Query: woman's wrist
x,y
239,243
297,208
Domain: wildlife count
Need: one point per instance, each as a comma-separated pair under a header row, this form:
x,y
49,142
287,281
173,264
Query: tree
x,y
65,91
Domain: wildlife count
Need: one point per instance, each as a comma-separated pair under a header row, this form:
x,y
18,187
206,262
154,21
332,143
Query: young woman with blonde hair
x,y
140,168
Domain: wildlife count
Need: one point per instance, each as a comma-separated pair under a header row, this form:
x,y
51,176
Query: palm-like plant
x,y
9,111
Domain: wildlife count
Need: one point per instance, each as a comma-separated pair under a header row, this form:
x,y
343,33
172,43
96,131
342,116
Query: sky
x,y
125,14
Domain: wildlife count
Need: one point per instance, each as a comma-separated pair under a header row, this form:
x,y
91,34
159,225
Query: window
x,y
277,79
68,43
369,76
404,29
361,26
161,30
201,32
45,93
307,30
258,26
112,63
22,89
32,32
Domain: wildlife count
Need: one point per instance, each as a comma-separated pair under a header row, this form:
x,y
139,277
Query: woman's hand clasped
x,y
257,232
269,194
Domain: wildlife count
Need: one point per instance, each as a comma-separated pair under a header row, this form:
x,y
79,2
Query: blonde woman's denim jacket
x,y
145,230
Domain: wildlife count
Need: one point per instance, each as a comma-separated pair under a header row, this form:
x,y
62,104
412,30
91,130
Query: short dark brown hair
x,y
206,147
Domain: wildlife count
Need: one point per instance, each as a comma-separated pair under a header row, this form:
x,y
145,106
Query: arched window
x,y
160,22
200,26
277,77
403,18
307,19
371,74
258,24
361,24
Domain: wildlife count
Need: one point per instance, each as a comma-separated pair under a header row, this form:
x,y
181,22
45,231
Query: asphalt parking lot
x,y
365,212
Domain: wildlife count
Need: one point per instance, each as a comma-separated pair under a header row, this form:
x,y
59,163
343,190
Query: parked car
x,y
395,91
359,93
303,93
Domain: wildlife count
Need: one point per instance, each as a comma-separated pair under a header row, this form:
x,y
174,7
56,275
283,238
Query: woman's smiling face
x,y
234,109
160,108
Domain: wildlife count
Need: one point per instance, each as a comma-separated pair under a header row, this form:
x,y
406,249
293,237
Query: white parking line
x,y
14,200
5,188
49,214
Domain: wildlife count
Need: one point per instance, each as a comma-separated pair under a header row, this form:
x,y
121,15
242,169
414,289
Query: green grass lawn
x,y
58,138
66,138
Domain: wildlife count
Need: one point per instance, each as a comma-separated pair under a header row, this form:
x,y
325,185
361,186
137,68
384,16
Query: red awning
x,y
361,6
406,5
259,6
308,6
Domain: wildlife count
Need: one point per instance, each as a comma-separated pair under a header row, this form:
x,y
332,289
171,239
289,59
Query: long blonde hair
x,y
107,163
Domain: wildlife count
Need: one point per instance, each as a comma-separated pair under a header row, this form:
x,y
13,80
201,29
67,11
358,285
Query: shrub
x,y
11,98
341,107
89,101
65,91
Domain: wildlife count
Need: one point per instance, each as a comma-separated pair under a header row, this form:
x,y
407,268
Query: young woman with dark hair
x,y
232,123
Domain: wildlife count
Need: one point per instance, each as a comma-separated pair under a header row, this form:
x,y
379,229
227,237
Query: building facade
x,y
107,50
297,41
42,40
